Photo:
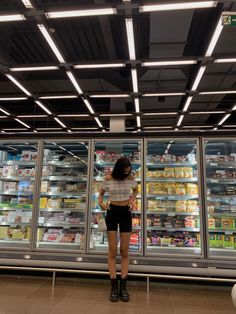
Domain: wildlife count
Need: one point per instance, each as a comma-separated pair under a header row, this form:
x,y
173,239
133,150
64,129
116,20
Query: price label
x,y
229,232
213,164
214,181
171,214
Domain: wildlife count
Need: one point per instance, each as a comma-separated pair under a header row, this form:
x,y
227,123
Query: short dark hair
x,y
119,167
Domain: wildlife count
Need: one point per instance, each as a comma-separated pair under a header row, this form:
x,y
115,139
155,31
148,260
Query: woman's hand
x,y
132,203
104,206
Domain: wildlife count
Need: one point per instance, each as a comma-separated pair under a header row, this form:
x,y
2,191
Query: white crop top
x,y
119,190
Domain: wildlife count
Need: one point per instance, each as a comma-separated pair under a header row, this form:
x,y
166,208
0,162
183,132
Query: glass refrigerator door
x,y
105,155
17,181
172,198
220,164
63,197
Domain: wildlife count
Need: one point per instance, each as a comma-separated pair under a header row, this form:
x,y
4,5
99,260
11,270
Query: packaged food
x,y
227,223
192,188
181,206
180,189
179,172
171,189
160,173
44,186
26,155
190,222
10,186
228,241
54,203
188,172
211,223
166,241
169,172
192,206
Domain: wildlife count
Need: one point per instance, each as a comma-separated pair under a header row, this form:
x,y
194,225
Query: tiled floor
x,y
29,295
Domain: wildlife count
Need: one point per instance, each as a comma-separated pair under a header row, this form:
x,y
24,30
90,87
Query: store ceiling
x,y
173,35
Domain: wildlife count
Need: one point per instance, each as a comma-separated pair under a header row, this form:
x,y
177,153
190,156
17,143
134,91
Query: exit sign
x,y
229,20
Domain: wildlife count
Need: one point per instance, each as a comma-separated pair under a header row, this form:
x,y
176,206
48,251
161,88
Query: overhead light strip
x,y
116,115
207,112
218,92
98,122
43,68
187,104
109,96
158,128
130,38
23,123
4,111
27,4
51,43
12,17
198,78
99,66
224,119
73,115
159,113
59,97
43,107
137,106
60,122
226,60
166,63
134,80
138,122
12,98
162,94
18,84
88,105
80,13
180,120
214,38
33,116
178,6
74,82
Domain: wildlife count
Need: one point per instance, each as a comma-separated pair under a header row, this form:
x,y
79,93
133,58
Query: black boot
x,y
114,295
124,296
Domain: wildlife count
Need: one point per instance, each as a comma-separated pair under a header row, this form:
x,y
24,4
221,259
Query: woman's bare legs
x,y
124,252
112,243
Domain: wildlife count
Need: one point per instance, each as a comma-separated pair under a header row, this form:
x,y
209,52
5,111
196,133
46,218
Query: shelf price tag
x,y
213,164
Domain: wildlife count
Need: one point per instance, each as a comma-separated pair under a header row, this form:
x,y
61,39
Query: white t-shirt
x,y
119,190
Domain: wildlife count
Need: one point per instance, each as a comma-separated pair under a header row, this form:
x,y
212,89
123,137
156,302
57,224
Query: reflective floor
x,y
34,295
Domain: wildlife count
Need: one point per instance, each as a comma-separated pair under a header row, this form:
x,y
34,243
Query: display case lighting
x,y
178,6
18,84
51,43
12,17
80,13
43,107
130,38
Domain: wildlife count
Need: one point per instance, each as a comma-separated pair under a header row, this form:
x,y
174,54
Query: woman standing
x,y
120,184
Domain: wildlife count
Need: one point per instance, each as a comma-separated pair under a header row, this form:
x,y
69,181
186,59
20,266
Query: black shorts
x,y
119,215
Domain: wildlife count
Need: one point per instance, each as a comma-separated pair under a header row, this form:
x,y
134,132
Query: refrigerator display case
x,y
63,200
17,182
220,174
105,154
172,200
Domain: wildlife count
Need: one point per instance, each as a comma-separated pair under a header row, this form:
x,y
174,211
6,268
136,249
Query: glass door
x,y
64,197
172,197
220,169
106,154
17,181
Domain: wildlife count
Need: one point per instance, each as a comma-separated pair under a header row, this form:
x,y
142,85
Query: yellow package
x,y
171,189
160,174
180,189
180,206
227,223
211,223
43,202
179,172
188,172
169,172
192,206
192,188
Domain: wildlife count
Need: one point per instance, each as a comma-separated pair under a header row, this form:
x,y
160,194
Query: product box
x,y
10,186
26,155
228,241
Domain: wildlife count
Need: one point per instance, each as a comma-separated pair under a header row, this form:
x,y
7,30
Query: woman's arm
x,y
133,197
100,199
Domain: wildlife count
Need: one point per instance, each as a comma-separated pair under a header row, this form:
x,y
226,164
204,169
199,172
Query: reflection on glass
x,y
63,197
17,180
172,216
220,160
105,155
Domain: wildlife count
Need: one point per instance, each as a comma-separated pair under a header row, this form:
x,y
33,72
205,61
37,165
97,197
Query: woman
x,y
119,185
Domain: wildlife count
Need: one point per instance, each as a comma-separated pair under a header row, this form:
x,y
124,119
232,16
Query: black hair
x,y
118,170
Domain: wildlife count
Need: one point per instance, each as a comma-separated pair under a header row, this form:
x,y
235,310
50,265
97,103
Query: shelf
x,y
172,180
63,210
220,197
172,213
14,240
100,179
173,197
171,164
64,194
18,163
223,214
14,224
17,178
14,209
179,248
16,193
224,165
57,243
227,231
64,164
221,181
64,178
97,210
112,164
169,229
95,226
63,225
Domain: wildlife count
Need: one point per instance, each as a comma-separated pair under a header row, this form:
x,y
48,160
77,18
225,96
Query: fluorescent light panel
x,y
27,4
234,108
207,112
187,104
229,126
59,97
4,111
74,82
84,128
134,80
196,126
226,60
98,66
137,106
138,122
130,38
110,96
33,116
178,6
198,78
18,84
60,122
72,115
115,114
166,63
44,129
43,107
98,122
158,127
23,123
88,105
13,98
214,38
51,43
79,13
43,68
180,120
159,113
12,17
162,94
224,119
218,92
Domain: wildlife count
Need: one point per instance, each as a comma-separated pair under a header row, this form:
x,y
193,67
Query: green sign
x,y
229,20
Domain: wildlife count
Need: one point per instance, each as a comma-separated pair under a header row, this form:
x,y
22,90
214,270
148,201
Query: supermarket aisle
x,y
21,295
